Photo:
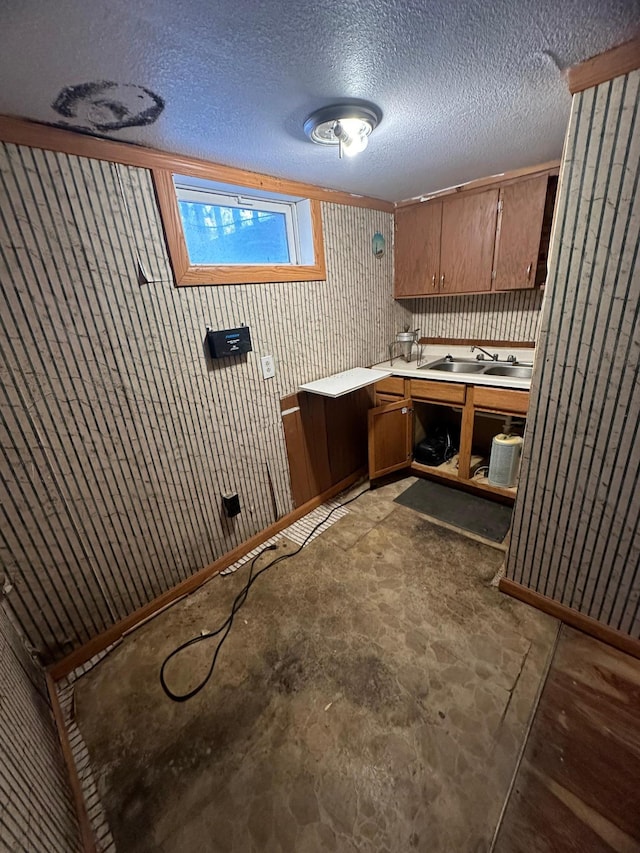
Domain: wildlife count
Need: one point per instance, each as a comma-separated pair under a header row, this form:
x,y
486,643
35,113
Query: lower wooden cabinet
x,y
390,437
472,414
326,440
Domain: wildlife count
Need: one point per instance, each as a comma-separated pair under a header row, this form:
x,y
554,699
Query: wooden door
x,y
417,249
390,438
519,233
468,240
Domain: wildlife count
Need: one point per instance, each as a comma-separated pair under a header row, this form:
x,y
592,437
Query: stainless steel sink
x,y
455,366
517,371
486,368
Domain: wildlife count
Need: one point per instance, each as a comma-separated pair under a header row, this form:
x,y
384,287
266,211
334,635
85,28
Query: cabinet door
x,y
417,249
390,438
519,233
468,240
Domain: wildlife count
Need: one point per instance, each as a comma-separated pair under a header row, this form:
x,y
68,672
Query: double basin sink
x,y
486,368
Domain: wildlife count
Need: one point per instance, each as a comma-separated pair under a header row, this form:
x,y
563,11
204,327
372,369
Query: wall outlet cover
x,y
268,366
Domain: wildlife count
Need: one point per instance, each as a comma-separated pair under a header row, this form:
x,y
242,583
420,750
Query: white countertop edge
x,y
344,383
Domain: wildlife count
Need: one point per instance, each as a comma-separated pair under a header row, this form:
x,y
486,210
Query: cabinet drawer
x,y
501,400
391,385
440,392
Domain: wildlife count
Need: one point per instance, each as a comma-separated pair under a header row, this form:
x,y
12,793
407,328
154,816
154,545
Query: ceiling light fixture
x,y
346,125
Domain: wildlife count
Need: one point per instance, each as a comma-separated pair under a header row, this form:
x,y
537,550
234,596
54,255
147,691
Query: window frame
x,y
245,201
188,274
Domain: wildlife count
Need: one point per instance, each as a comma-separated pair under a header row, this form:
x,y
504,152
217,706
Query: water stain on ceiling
x,y
105,106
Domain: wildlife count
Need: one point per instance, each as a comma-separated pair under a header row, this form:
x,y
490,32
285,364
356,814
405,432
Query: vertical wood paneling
x,y
37,813
576,535
486,316
119,434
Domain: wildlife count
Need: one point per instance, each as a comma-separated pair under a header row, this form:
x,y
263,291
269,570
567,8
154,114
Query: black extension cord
x,y
235,607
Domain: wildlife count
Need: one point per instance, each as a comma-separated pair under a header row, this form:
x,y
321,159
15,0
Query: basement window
x,y
221,233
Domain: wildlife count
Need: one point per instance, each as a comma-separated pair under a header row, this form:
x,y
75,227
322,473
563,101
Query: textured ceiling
x,y
467,89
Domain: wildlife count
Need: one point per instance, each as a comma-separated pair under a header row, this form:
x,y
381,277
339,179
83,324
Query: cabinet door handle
x,y
442,281
529,270
433,280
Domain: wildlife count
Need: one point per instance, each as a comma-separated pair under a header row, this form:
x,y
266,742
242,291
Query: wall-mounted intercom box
x,y
228,342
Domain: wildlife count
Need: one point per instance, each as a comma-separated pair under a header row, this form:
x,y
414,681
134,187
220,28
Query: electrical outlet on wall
x,y
268,366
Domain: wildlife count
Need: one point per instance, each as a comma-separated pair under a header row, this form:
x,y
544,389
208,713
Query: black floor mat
x,y
470,512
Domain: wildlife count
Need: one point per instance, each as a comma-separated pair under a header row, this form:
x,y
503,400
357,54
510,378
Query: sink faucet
x,y
480,357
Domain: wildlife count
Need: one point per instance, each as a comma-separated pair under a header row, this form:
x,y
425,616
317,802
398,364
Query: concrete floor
x,y
373,695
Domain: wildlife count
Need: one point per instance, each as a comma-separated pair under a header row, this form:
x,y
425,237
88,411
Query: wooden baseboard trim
x,y
84,824
115,632
572,617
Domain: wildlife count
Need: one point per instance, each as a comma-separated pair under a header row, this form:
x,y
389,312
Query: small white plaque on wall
x,y
345,382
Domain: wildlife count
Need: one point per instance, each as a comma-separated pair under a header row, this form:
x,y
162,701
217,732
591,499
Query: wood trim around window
x,y
613,63
187,274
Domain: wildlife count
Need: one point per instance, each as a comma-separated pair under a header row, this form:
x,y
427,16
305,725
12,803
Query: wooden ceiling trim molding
x,y
605,66
36,135
552,167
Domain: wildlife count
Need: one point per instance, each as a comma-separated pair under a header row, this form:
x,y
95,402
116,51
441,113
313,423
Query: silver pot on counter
x,y
405,341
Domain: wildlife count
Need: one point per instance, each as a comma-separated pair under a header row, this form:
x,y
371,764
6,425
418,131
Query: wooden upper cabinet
x,y
417,249
520,226
489,239
468,241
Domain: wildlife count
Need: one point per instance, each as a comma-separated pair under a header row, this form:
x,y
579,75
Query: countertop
x,y
344,383
432,352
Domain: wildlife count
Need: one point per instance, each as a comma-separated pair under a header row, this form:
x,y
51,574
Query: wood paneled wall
x,y
483,316
119,434
36,808
576,536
